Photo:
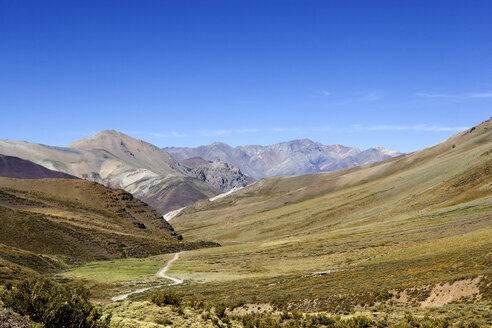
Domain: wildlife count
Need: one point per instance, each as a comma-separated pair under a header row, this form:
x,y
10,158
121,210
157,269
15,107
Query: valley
x,y
245,164
410,234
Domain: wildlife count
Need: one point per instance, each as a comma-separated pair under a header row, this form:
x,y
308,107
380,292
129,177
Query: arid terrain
x,y
406,241
246,164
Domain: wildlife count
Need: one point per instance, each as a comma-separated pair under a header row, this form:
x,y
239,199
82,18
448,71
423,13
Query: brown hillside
x,y
78,220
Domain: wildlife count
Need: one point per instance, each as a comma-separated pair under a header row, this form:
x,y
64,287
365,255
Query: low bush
x,y
287,320
410,321
258,320
166,298
197,304
471,324
163,321
54,305
358,322
220,310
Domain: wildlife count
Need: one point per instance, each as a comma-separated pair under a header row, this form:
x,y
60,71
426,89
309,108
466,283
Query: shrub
x,y
409,321
220,310
197,304
473,324
323,319
166,298
206,315
297,315
285,315
54,305
163,321
178,309
292,324
8,285
258,320
358,322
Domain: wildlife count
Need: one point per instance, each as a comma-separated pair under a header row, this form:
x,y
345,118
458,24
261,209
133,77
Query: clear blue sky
x,y
402,74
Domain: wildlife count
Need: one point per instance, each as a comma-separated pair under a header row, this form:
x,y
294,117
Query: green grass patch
x,y
118,270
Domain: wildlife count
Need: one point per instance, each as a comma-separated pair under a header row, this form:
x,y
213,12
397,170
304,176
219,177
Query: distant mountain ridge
x,y
296,157
14,167
120,161
221,176
154,176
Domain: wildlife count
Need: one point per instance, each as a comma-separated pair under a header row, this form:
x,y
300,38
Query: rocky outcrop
x,y
218,174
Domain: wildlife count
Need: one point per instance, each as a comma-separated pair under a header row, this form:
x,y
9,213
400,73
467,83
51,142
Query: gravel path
x,y
161,273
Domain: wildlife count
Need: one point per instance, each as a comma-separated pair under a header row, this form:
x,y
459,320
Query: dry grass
x,y
379,239
348,236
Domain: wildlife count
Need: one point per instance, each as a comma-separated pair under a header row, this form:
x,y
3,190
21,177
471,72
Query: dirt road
x,y
161,273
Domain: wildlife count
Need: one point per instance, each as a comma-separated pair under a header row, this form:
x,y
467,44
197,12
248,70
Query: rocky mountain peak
x,y
131,150
117,160
219,174
295,157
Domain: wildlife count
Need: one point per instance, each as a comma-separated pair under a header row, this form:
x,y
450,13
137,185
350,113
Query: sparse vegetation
x,y
166,298
147,314
54,305
220,310
404,243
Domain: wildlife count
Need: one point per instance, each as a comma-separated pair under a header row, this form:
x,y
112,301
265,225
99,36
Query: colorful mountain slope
x,y
294,157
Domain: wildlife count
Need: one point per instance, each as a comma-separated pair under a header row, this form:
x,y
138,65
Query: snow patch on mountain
x,y
225,194
169,215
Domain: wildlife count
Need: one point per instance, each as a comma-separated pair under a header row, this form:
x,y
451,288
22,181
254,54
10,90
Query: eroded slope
x,y
77,220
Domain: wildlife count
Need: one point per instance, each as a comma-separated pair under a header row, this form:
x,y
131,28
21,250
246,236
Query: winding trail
x,y
161,273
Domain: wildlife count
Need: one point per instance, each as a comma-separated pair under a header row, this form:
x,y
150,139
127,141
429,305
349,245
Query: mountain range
x,y
119,161
294,157
393,232
407,232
